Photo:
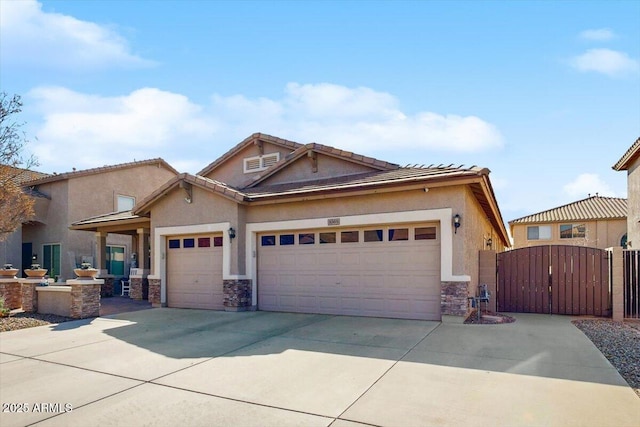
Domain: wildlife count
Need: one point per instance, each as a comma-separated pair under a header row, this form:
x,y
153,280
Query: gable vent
x,y
260,163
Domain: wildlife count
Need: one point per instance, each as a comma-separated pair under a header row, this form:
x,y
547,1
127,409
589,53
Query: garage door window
x,y
204,242
306,238
287,239
268,240
425,233
398,234
373,236
349,237
327,238
189,243
217,242
174,244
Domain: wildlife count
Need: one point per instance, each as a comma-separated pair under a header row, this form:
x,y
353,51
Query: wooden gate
x,y
554,279
631,280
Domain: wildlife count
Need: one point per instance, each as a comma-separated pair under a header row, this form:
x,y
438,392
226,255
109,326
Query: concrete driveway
x,y
203,368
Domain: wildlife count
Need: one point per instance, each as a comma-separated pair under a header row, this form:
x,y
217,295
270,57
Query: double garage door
x,y
194,272
390,271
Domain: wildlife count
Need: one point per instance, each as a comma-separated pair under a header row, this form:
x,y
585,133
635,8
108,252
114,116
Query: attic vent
x,y
260,163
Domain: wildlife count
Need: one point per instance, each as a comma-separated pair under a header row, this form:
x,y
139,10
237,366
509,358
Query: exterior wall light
x,y
232,233
489,242
456,223
34,257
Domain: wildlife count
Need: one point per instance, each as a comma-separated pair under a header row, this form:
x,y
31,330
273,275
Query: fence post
x,y
617,284
487,276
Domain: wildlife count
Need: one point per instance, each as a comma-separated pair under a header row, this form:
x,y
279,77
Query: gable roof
x,y
591,208
253,139
313,149
19,175
632,153
95,171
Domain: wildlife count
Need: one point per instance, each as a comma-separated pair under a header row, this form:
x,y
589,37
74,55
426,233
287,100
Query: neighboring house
x,y
62,199
276,225
630,162
598,222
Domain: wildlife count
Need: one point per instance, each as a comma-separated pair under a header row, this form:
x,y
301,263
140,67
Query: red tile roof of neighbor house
x,y
102,169
20,175
591,208
632,153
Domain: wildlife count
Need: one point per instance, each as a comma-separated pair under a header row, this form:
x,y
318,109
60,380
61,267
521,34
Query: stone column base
x,y
237,294
155,293
29,295
106,290
453,298
139,288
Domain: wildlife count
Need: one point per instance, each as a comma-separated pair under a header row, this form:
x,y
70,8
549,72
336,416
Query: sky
x,y
546,94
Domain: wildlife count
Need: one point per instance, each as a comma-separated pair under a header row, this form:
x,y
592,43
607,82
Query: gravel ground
x,y
29,320
620,344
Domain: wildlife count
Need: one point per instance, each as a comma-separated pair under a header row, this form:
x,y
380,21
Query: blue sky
x,y
544,94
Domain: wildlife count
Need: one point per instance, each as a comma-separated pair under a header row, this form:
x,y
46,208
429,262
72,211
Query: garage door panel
x,y
194,276
385,279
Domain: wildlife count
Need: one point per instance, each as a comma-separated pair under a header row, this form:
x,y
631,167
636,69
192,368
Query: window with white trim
x,y
260,163
539,232
572,231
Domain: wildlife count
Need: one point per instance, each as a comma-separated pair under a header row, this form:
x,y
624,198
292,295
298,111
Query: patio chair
x,y
126,285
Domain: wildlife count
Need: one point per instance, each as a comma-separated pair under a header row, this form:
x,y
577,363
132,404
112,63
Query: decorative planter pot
x,y
38,272
86,273
8,272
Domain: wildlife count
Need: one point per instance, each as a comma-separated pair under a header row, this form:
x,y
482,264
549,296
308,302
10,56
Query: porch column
x,y
101,251
617,284
143,248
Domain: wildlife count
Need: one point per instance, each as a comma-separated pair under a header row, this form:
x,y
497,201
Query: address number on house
x,y
333,221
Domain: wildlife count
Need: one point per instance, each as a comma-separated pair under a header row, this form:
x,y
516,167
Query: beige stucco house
x,y
62,199
598,222
630,162
277,225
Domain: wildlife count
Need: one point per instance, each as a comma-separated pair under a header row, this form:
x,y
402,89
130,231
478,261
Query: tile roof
x,y
591,208
20,175
101,219
632,153
405,175
94,171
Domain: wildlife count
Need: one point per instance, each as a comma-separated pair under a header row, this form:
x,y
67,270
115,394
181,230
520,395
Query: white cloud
x,y
95,130
605,61
588,184
600,35
92,131
33,37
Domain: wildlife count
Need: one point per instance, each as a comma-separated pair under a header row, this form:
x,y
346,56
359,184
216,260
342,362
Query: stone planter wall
x,y
11,291
453,298
237,294
154,293
29,295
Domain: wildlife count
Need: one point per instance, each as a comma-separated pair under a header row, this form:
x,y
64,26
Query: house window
x,y
260,163
125,203
572,231
539,232
51,259
115,260
425,233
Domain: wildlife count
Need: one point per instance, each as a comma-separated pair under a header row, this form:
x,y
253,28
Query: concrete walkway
x,y
203,368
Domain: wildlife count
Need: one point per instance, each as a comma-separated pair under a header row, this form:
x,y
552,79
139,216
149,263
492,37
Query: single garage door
x,y
194,272
391,271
